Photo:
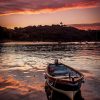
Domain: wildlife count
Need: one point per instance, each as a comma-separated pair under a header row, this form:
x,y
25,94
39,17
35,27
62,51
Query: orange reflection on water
x,y
16,90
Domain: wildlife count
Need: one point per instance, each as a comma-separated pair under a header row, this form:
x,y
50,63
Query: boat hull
x,y
53,94
64,85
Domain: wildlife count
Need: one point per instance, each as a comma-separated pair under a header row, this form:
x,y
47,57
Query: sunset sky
x,y
21,13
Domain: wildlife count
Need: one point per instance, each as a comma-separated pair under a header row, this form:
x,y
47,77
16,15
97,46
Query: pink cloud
x,y
37,6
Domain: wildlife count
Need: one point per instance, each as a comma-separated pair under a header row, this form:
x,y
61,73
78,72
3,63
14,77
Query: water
x,y
23,61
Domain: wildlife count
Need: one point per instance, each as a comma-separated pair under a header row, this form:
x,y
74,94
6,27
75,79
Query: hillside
x,y
48,33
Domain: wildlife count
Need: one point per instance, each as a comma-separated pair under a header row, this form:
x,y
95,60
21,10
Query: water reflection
x,y
12,89
34,54
25,61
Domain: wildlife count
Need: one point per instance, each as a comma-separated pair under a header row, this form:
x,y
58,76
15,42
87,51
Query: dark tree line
x,y
48,33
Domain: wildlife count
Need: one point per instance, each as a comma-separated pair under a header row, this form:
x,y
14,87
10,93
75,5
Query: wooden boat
x,y
63,79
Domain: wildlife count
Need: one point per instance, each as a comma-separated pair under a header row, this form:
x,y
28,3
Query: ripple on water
x,y
26,62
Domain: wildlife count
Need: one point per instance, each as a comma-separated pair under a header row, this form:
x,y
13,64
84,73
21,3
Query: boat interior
x,y
61,71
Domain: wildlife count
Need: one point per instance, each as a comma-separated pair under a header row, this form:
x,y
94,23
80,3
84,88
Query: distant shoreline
x,y
45,43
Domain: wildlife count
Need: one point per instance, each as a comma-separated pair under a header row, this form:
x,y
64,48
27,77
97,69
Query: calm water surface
x,y
19,60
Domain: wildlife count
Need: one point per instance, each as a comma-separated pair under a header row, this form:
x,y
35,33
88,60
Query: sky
x,y
21,13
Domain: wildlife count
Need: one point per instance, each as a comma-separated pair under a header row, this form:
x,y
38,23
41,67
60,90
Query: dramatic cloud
x,y
37,6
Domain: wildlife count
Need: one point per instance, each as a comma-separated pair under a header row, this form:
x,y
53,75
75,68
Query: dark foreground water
x,y
22,62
